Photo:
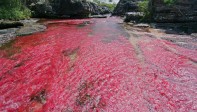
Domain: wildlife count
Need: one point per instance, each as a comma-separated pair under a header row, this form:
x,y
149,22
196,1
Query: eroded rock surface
x,y
180,11
65,8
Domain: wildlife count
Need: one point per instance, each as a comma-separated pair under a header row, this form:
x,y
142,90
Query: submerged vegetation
x,y
13,10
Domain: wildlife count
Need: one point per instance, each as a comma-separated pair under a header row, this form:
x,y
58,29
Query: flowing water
x,y
92,65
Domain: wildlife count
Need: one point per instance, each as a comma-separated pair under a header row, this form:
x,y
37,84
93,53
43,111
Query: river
x,y
94,65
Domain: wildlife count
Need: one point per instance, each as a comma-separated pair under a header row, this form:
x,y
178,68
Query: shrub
x,y
110,6
144,7
13,10
169,2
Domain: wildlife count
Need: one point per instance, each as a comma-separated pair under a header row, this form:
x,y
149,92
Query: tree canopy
x,y
13,9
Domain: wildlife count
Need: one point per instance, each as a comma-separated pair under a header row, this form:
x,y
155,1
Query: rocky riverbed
x,y
12,29
99,65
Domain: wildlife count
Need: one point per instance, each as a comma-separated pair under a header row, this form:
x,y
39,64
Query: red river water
x,y
92,65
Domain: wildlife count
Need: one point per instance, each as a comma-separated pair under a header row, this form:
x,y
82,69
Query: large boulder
x,y
40,8
64,8
78,8
180,11
133,17
125,6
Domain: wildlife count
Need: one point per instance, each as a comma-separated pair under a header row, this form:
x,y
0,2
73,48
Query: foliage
x,y
144,7
14,10
110,6
169,2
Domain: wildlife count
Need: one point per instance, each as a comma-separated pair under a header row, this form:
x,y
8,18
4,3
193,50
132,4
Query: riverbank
x,y
12,29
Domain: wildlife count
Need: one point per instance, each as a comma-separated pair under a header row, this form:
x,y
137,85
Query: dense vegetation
x,y
13,9
169,2
110,6
144,7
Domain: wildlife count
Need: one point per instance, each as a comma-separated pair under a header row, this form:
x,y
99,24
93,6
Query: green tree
x,y
13,9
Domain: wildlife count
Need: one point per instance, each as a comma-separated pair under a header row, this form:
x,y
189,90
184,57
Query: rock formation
x,y
64,8
181,11
125,6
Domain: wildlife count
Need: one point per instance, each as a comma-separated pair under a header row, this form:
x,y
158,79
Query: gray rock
x,y
142,25
6,35
134,16
125,6
30,26
27,30
181,11
64,8
98,16
194,35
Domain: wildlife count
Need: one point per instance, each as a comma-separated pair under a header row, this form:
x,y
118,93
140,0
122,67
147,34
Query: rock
x,y
134,16
30,26
6,35
10,24
130,24
125,6
64,8
42,10
104,10
142,25
5,38
98,16
27,30
79,8
29,21
180,11
194,35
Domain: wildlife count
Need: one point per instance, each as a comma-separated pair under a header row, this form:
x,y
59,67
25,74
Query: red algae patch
x,y
90,65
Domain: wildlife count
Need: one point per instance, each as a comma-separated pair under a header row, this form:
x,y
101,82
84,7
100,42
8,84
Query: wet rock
x,y
30,27
125,6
